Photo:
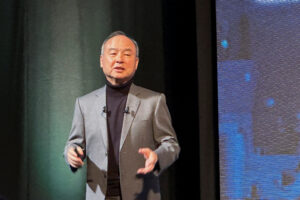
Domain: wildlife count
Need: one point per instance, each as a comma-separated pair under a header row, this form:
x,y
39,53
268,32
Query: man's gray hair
x,y
116,33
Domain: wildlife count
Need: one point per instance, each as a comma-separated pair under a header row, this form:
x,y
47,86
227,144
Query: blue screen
x,y
258,54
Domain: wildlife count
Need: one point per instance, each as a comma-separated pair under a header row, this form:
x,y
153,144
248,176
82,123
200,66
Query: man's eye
x,y
127,54
113,54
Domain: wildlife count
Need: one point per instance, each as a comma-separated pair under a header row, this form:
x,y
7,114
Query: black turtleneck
x,y
116,97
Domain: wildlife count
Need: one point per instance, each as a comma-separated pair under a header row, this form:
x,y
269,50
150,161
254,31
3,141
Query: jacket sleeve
x,y
168,148
77,133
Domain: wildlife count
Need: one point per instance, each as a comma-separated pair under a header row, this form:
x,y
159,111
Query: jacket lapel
x,y
133,103
101,103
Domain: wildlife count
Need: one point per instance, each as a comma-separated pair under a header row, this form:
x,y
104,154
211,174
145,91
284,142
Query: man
x,y
123,130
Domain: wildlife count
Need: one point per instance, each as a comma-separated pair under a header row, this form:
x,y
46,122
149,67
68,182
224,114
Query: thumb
x,y
79,150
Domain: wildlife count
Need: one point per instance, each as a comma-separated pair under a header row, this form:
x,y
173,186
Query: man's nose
x,y
119,58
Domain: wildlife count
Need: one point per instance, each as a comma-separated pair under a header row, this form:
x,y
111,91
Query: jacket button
x,y
105,153
104,175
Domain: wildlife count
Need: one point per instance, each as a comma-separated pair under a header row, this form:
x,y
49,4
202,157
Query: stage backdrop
x,y
62,41
49,55
258,45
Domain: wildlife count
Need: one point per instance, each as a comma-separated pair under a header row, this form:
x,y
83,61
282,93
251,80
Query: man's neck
x,y
116,84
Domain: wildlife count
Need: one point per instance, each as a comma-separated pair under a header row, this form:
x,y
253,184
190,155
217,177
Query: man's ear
x,y
101,60
136,63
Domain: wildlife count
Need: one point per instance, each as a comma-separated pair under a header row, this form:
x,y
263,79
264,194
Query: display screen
x,y
258,54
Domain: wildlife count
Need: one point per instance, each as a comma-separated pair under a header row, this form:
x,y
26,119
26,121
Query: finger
x,y
80,151
145,152
141,171
73,164
79,163
72,151
145,170
73,155
74,158
76,162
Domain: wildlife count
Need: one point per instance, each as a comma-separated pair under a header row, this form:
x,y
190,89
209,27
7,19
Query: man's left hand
x,y
151,159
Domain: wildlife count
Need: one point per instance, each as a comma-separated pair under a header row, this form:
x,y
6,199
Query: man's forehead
x,y
119,41
118,49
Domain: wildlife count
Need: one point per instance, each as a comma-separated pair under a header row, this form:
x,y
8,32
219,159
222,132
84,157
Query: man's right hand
x,y
74,159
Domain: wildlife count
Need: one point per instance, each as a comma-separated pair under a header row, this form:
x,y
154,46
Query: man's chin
x,y
118,80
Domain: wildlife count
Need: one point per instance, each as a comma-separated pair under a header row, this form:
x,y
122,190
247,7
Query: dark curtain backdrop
x,y
50,55
207,93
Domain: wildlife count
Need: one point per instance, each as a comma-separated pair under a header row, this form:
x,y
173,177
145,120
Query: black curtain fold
x,y
11,62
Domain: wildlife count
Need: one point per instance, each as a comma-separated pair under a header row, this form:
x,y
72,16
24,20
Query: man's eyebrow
x,y
127,49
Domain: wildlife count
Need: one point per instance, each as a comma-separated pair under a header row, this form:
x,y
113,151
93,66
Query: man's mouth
x,y
118,68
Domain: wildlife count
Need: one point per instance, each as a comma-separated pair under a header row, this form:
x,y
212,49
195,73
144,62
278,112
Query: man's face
x,y
119,61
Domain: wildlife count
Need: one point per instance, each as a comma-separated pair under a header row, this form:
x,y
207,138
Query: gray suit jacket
x,y
148,124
